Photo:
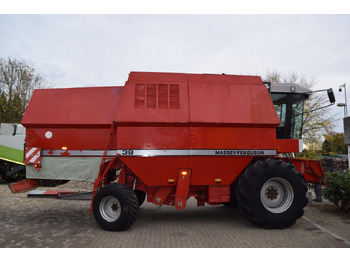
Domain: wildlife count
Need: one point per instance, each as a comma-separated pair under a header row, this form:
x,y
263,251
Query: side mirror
x,y
331,95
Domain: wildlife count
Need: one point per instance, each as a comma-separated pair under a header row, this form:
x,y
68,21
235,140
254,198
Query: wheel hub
x,y
115,207
110,208
276,195
271,193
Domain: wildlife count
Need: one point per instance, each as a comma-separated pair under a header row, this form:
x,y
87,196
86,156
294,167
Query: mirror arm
x,y
315,109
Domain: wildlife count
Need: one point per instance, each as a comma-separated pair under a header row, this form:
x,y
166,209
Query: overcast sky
x,y
99,50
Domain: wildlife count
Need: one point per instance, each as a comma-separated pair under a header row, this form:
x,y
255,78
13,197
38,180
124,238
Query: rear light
x,y
37,166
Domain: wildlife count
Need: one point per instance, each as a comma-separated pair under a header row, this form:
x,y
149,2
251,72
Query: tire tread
x,y
248,185
128,201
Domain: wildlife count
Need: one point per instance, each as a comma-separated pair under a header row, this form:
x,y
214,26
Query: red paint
x,y
311,169
65,153
287,145
182,188
161,194
218,194
72,107
23,186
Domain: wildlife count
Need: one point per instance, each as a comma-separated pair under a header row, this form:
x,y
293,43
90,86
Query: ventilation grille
x,y
157,96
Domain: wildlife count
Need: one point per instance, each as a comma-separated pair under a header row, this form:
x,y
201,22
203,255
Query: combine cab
x,y
166,137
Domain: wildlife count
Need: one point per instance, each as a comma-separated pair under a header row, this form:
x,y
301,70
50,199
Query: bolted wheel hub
x,y
276,195
110,208
271,193
115,206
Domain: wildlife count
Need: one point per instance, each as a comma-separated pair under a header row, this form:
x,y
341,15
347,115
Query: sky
x,y
101,50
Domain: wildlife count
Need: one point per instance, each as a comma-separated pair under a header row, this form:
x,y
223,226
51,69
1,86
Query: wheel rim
x,y
110,208
277,195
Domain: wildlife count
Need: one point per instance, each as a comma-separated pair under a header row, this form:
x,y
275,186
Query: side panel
x,y
311,169
93,106
206,170
154,98
242,143
72,138
152,137
288,146
239,100
154,170
218,194
66,168
215,153
47,106
232,138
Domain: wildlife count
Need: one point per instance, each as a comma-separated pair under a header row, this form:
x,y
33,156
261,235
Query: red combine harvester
x,y
172,136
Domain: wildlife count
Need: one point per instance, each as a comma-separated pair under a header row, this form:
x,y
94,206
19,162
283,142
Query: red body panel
x,y
72,138
147,98
232,138
205,169
311,169
90,106
152,137
78,118
237,100
218,194
287,145
156,171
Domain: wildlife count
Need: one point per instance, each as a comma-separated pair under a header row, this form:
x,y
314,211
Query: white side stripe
x,y
161,152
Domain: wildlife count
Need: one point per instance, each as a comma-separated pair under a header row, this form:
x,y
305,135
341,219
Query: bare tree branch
x,y
17,83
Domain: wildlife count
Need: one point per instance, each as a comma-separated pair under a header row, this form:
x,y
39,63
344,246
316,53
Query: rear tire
x,y
272,193
115,207
233,198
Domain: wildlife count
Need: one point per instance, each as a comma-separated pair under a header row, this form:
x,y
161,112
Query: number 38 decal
x,y
127,152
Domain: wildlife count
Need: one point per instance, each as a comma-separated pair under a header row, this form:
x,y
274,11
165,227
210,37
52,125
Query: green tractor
x,y
12,167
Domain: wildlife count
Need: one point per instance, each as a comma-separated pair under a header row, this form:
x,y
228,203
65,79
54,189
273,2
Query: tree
x,y
17,83
334,144
316,124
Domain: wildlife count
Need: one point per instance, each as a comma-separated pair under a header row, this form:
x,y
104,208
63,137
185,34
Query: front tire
x,y
272,193
115,207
